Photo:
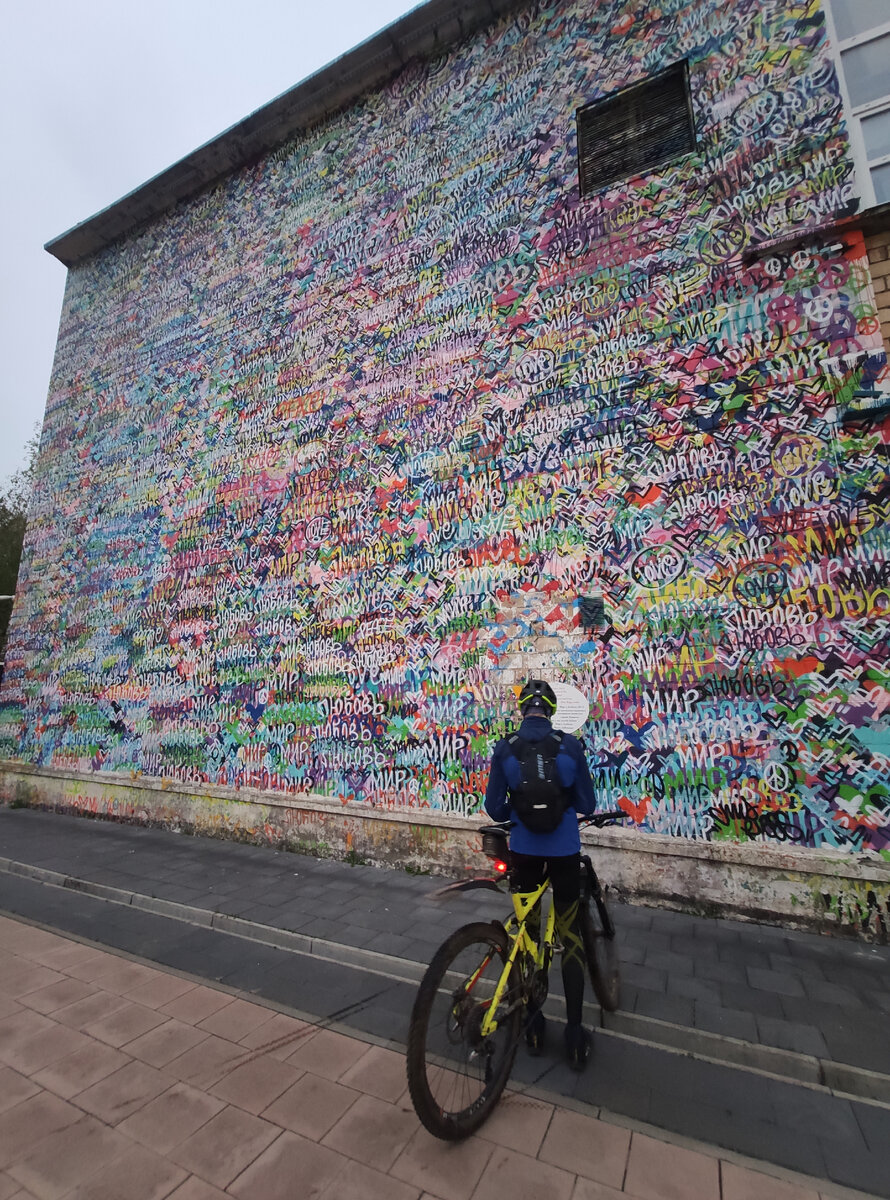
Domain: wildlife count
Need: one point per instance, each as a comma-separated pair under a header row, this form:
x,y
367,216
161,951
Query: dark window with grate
x,y
635,130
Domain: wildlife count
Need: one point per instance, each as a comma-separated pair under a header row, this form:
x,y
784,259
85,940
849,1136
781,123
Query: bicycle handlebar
x,y
597,819
604,818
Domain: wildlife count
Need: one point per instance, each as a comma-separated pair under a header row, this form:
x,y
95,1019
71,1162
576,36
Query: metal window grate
x,y
635,130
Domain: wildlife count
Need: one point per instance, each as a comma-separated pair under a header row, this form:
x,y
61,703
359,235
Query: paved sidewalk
x,y
768,1043
813,1004
119,1081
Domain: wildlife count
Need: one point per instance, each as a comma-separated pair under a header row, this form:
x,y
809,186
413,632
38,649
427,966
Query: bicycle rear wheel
x,y
455,1075
600,947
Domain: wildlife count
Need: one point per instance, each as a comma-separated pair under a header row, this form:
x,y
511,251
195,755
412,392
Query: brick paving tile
x,y
42,1049
124,1025
14,934
518,1123
328,1053
119,1095
373,1131
20,977
8,1007
8,1186
312,1106
14,1088
740,1183
57,995
586,1146
64,955
159,991
35,1118
19,1027
380,1072
122,976
172,1117
81,1070
449,1170
522,1178
589,1189
165,1042
358,1182
83,966
221,1149
236,1020
92,1008
137,1174
207,1062
92,966
197,1189
660,1171
195,1005
278,1037
257,1083
273,1173
67,1157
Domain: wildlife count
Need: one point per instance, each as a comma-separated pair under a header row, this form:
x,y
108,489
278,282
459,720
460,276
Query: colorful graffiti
x,y
330,447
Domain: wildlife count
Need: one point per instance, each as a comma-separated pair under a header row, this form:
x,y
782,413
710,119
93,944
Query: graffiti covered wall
x,y
331,449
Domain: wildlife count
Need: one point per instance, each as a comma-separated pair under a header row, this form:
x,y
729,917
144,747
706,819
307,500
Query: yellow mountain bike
x,y
483,984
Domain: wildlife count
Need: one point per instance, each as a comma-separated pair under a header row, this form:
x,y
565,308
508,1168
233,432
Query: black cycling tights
x,y
565,876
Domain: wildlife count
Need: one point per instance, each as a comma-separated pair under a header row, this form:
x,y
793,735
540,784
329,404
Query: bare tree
x,y
15,496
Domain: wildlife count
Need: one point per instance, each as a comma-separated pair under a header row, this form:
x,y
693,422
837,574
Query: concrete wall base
x,y
823,890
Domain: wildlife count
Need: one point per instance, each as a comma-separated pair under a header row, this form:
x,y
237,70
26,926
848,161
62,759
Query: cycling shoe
x,y
578,1042
535,1033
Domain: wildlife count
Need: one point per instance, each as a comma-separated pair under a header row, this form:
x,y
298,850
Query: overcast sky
x,y
97,96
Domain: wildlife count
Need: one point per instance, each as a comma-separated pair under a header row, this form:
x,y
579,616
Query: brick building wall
x,y
878,247
339,448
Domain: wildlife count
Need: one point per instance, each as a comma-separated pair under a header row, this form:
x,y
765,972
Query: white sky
x,y
96,97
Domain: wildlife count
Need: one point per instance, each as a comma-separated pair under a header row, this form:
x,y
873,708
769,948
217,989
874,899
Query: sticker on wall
x,y
572,708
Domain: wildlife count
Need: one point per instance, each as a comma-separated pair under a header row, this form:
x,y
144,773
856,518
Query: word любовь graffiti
x,y
415,426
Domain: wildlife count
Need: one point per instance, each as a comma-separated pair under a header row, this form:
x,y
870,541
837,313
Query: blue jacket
x,y
571,765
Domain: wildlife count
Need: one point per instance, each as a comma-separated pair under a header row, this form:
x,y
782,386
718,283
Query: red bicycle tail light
x,y
499,866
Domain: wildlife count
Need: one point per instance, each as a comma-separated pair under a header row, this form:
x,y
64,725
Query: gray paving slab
x,y
791,1035
759,983
665,960
645,977
693,989
752,1000
824,992
720,972
730,1022
775,982
676,1009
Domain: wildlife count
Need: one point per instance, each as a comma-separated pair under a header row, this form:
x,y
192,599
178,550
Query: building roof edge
x,y
424,31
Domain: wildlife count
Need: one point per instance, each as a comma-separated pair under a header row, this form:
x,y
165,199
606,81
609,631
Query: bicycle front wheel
x,y
455,1075
601,951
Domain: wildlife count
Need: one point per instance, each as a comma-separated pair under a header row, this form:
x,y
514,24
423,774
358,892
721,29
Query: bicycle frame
x,y
523,905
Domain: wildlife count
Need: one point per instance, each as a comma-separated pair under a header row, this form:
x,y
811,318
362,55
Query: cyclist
x,y
557,853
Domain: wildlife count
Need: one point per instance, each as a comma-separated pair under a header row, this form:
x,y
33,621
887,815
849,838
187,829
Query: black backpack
x,y
539,800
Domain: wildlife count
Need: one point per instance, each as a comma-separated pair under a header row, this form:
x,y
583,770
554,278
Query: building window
x,y
635,130
861,37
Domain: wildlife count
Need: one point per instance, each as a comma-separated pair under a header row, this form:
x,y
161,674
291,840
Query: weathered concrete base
x,y
825,890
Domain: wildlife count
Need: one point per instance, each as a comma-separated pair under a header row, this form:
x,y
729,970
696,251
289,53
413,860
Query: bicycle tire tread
x,y
452,1126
